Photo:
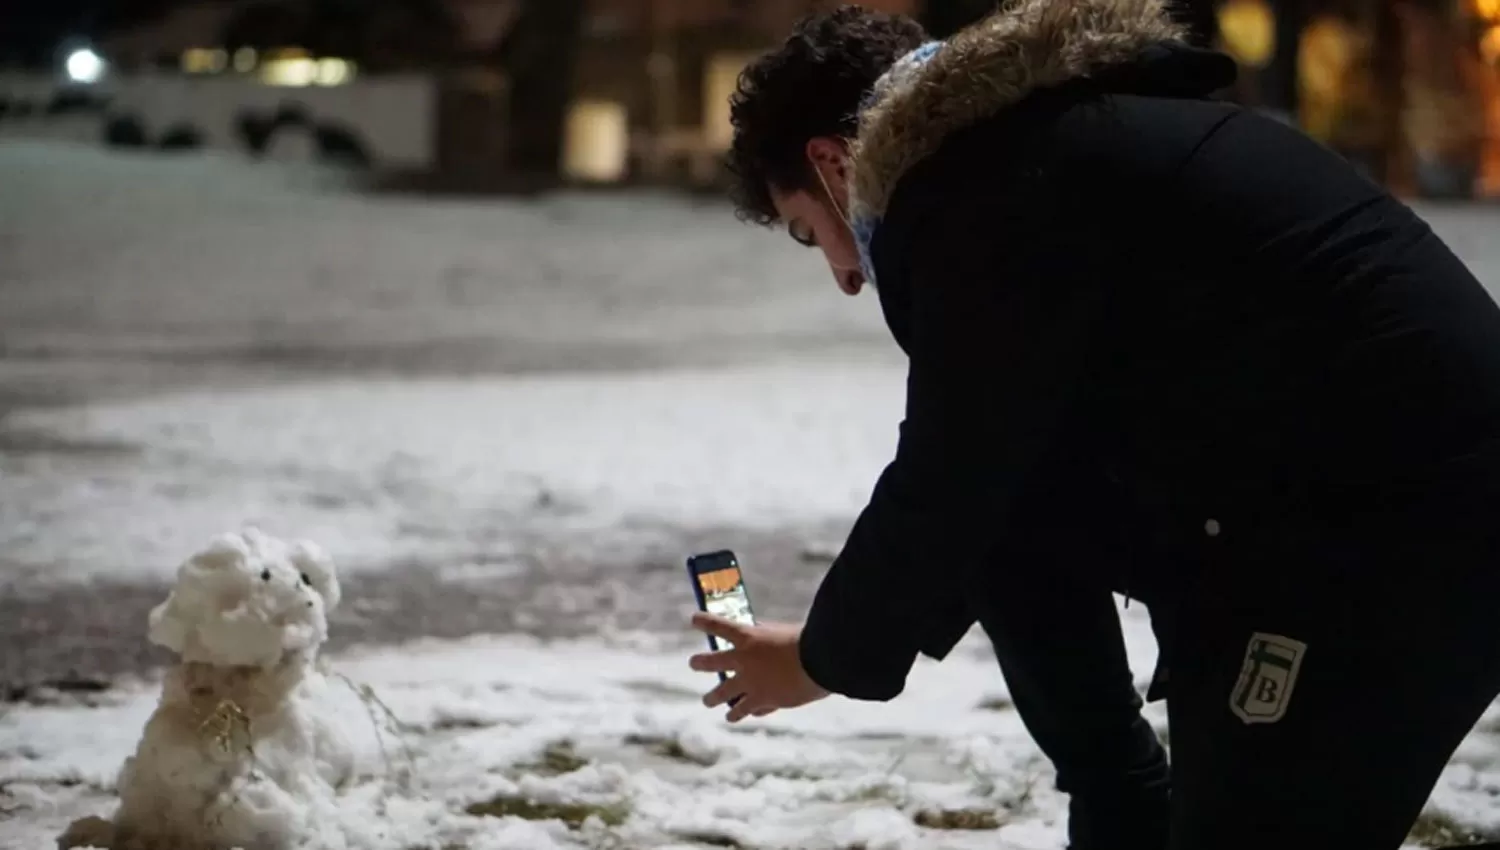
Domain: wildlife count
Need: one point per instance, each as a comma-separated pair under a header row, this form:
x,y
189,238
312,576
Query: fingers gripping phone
x,y
720,589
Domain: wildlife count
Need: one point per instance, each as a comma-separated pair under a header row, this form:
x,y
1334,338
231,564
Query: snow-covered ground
x,y
612,727
203,263
500,417
383,471
497,410
613,723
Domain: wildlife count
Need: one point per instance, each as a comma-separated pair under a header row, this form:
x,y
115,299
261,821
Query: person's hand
x,y
765,669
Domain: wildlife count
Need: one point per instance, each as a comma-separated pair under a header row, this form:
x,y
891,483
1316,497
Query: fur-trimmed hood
x,y
1026,46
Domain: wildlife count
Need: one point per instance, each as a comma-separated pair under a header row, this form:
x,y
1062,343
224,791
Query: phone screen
x,y
721,588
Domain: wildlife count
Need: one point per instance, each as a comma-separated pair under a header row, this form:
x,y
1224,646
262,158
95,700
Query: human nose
x,y
850,281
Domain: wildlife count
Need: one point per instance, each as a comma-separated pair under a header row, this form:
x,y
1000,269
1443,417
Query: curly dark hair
x,y
809,87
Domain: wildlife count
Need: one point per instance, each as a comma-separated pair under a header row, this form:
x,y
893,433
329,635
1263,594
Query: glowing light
x,y
289,72
1326,53
1489,10
597,142
1489,45
334,72
85,66
720,79
199,60
1248,28
294,66
244,60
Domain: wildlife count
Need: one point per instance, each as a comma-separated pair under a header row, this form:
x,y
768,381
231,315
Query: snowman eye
x,y
265,575
305,579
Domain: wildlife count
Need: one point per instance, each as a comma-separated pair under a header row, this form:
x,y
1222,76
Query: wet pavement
x,y
71,635
90,310
129,277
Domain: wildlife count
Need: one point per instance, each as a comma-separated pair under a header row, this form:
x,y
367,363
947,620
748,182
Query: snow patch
x,y
569,729
429,471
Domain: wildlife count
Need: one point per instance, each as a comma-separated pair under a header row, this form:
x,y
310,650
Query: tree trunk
x,y
539,56
1282,89
1390,81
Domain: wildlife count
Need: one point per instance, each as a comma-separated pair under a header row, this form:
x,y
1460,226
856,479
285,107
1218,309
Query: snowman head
x,y
248,600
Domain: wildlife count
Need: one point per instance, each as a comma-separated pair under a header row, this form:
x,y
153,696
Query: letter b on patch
x,y
1264,688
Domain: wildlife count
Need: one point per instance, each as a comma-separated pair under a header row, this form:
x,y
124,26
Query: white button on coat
x,y
1212,528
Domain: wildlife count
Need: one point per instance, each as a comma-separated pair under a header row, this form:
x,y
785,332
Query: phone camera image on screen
x,y
724,596
721,587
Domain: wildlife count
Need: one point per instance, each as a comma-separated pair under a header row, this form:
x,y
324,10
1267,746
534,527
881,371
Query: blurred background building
x,y
1409,89
479,94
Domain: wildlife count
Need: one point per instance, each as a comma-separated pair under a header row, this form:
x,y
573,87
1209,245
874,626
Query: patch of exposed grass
x,y
659,689
556,759
960,819
669,748
33,443
764,732
71,690
1435,829
878,793
794,774
712,839
880,736
996,703
453,723
572,814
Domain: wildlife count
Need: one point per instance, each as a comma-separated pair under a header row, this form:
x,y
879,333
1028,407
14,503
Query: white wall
x,y
396,116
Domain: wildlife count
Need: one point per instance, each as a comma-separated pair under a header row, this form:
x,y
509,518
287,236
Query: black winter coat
x,y
1091,265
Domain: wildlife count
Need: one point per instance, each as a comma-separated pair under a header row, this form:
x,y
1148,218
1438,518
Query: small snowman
x,y
241,751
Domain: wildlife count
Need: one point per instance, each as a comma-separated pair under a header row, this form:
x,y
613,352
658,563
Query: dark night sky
x,y
32,29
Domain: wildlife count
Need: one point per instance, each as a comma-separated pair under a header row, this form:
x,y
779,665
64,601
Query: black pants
x,y
1325,677
1320,681
1048,607
1084,714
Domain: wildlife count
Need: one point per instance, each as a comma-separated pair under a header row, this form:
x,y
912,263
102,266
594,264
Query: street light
x,y
84,66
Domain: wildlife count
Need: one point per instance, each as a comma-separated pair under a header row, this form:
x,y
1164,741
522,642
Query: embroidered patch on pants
x,y
1264,689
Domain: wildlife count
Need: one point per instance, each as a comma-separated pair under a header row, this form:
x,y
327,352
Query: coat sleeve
x,y
1001,334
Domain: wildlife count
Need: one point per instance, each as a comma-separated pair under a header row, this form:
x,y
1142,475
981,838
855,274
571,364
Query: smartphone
x,y
720,588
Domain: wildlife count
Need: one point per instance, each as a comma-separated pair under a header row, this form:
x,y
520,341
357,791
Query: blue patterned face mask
x,y
864,233
863,222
